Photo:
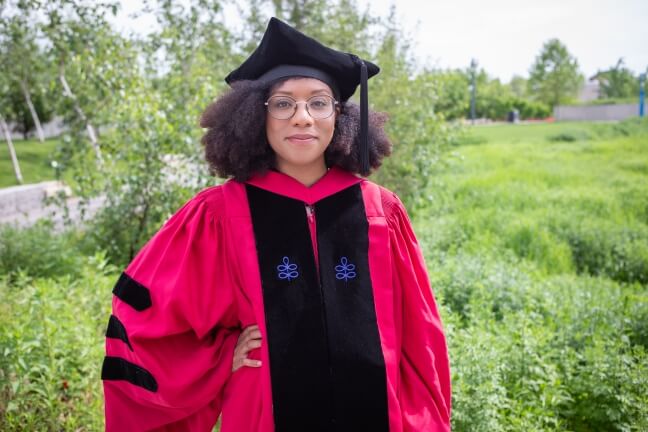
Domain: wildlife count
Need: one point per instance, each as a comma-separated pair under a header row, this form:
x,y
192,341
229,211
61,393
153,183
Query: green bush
x,y
531,109
51,334
603,248
530,240
635,126
120,237
38,251
565,357
570,136
538,252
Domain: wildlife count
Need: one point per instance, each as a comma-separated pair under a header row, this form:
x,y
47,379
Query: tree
x,y
153,143
6,132
25,66
554,76
337,24
419,133
452,93
617,82
88,58
518,86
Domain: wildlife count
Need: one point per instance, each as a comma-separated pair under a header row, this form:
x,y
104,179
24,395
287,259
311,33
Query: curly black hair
x,y
236,144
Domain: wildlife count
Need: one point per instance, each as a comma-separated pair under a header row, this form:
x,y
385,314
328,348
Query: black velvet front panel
x,y
326,363
357,362
295,320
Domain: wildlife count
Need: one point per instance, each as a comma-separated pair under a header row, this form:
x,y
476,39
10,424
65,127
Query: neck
x,y
306,175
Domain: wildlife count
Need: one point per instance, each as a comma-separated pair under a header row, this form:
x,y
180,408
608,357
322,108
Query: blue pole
x,y
473,85
642,94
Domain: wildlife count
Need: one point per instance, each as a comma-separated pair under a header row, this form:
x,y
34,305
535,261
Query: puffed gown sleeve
x,y
424,394
171,335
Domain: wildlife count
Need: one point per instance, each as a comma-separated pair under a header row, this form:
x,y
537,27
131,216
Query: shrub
x,y
570,136
530,240
38,251
51,333
599,248
475,286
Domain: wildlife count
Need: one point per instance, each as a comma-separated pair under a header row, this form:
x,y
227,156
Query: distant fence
x,y
596,112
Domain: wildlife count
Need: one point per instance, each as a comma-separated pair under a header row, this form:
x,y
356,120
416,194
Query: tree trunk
x,y
91,131
12,151
32,110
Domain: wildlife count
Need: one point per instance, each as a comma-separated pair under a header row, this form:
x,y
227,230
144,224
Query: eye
x,y
320,102
281,103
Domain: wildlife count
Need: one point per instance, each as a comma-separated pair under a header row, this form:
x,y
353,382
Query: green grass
x,y
34,159
520,191
527,133
537,244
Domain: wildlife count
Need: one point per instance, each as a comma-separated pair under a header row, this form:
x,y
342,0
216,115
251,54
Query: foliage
x,y
20,114
36,252
52,347
538,271
452,95
607,101
569,136
420,136
618,82
337,24
601,180
494,100
150,135
25,68
519,86
149,118
145,186
541,272
554,77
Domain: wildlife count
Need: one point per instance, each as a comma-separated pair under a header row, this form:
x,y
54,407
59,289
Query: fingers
x,y
249,339
251,332
251,363
251,344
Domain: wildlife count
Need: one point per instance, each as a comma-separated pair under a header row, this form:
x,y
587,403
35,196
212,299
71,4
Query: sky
x,y
505,36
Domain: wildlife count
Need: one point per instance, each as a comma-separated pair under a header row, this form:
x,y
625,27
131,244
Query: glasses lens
x,y
284,107
320,106
281,107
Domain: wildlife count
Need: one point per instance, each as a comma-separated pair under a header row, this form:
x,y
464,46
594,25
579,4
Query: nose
x,y
301,116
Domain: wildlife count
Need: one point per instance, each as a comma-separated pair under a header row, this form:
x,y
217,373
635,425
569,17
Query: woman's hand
x,y
249,339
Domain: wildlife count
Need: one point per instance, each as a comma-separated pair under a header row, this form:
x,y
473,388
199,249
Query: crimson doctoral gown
x,y
335,279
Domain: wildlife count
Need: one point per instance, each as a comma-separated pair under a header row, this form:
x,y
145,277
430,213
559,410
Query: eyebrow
x,y
289,93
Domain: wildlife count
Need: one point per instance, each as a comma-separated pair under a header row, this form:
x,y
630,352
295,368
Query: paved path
x,y
24,205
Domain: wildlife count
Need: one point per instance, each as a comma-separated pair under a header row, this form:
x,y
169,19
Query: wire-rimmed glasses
x,y
284,107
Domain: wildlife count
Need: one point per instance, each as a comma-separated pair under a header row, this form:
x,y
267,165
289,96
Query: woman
x,y
294,297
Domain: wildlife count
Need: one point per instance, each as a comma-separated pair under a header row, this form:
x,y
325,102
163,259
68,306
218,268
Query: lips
x,y
301,137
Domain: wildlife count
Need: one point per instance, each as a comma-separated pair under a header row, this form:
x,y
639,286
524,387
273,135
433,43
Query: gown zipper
x,y
310,216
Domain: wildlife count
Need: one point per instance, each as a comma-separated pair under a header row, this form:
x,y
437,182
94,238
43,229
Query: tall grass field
x,y
536,240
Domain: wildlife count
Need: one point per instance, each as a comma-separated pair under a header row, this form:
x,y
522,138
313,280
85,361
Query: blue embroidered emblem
x,y
345,270
287,270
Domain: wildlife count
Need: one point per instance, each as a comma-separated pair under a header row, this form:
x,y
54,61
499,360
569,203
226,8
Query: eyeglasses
x,y
284,107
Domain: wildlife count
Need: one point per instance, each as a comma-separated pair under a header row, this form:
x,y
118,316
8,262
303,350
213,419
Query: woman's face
x,y
299,142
